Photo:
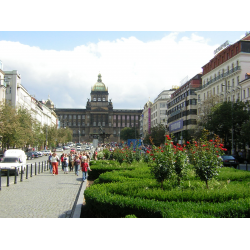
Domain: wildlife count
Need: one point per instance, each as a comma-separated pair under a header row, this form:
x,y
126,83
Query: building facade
x,y
222,75
99,115
19,97
182,109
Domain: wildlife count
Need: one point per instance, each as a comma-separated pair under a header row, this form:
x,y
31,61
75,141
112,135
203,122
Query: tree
x,y
225,116
9,125
157,135
129,133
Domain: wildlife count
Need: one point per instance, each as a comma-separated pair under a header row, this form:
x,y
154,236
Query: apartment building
x,y
223,76
18,96
182,109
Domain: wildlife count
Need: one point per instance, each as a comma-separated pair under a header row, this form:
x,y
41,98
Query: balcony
x,y
221,76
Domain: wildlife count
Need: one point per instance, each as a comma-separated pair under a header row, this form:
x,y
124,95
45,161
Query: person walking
x,y
54,161
85,168
50,163
66,163
77,164
62,157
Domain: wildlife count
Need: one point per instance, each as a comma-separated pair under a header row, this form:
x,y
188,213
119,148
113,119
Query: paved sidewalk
x,y
43,196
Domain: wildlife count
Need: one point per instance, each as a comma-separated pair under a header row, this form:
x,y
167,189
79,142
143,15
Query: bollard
x,y
8,177
35,169
31,170
21,178
39,168
27,170
15,175
0,179
42,166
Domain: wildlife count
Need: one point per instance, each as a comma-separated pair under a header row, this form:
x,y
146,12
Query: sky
x,y
135,65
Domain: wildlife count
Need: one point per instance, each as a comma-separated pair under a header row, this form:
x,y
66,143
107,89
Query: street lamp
x,y
228,92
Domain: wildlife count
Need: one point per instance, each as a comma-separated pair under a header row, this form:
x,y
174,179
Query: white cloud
x,y
132,70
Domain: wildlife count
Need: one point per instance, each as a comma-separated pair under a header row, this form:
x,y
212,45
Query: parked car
x,y
30,155
40,154
66,147
72,151
78,148
46,152
229,160
87,148
35,154
240,159
59,150
14,160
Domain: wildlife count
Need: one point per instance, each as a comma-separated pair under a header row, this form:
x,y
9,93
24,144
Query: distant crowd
x,y
70,162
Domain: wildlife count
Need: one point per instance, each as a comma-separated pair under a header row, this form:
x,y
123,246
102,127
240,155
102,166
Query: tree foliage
x,y
226,116
157,135
129,133
19,129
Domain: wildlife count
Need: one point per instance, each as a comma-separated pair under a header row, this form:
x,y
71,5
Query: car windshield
x,y
10,160
227,157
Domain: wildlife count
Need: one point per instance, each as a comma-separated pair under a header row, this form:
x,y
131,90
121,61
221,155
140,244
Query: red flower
x,y
188,142
162,151
148,152
153,159
210,140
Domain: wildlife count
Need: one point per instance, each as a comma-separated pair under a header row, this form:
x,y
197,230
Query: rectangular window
x,y
69,123
74,116
114,125
110,124
119,124
127,125
94,123
70,116
83,132
119,117
74,123
79,124
244,94
79,117
132,117
65,116
114,117
232,83
123,117
218,89
83,124
123,124
103,124
103,99
83,116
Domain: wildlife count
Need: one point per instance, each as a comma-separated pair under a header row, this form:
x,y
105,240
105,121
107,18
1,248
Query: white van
x,y
13,158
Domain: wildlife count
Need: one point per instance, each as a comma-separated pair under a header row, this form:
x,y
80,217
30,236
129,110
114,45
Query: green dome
x,y
99,85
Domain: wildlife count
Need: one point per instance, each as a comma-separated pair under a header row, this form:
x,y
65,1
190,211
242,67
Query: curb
x,y
77,207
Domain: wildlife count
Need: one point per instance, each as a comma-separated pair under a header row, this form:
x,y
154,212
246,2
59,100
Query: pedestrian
x,y
66,163
62,157
54,161
85,168
77,164
50,163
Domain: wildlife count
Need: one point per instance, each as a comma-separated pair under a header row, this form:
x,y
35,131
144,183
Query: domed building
x,y
98,117
49,103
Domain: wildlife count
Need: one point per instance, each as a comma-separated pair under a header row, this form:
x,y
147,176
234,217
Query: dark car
x,y
36,155
240,159
30,155
229,161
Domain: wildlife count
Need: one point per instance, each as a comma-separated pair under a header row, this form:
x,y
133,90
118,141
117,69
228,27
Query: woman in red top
x,y
85,167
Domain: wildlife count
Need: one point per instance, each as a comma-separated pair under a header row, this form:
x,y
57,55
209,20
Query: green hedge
x,y
103,166
116,194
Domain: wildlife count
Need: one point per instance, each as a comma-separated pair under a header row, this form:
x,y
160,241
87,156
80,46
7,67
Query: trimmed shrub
x,y
132,190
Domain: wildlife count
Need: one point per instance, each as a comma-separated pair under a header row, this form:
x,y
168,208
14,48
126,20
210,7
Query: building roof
x,y
99,85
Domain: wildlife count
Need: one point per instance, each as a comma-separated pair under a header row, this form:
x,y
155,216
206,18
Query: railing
x,y
37,169
222,76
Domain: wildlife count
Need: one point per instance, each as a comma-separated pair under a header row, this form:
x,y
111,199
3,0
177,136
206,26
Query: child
x,y
85,167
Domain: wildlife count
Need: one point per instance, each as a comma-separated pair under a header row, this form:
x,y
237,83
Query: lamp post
x,y
228,92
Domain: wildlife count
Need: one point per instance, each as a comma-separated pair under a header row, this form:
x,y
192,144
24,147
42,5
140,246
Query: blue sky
x,y
135,66
68,40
